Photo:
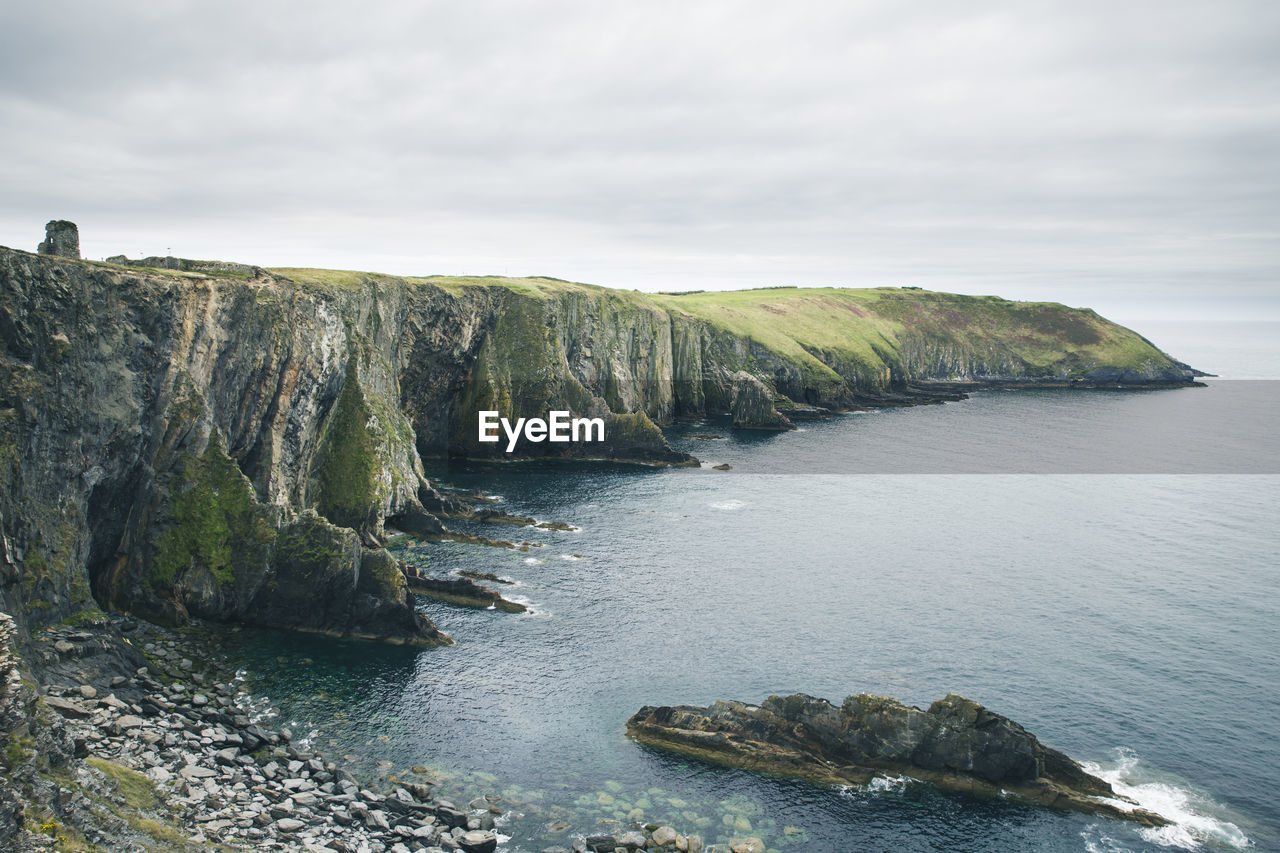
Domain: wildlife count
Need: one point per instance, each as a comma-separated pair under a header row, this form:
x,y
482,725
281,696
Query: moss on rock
x,y
346,467
215,522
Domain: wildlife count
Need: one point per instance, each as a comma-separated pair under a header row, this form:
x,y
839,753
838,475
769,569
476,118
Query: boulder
x,y
632,840
67,707
664,836
478,841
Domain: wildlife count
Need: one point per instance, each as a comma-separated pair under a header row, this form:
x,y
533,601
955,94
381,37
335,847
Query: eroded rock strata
x,y
956,744
224,441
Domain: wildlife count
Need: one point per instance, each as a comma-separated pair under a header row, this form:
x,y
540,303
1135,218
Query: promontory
x,y
184,438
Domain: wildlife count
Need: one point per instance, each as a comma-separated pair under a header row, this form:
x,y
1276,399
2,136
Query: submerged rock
x,y
956,744
484,576
464,592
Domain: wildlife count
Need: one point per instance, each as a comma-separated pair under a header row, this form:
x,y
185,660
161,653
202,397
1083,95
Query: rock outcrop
x,y
463,591
61,239
957,744
752,406
35,741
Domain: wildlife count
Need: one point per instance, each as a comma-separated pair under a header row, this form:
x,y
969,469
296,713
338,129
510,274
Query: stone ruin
x,y
61,238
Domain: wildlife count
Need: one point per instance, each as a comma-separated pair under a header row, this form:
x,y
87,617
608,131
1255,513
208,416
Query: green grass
x,y
215,519
135,789
869,326
139,795
346,464
795,322
90,616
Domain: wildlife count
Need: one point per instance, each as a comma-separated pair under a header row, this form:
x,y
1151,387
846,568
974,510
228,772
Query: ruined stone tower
x,y
61,238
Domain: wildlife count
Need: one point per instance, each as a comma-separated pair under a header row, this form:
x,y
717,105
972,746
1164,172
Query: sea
x,y
1101,566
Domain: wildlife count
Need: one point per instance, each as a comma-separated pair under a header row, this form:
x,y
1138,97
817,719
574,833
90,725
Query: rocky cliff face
x,y
166,443
228,442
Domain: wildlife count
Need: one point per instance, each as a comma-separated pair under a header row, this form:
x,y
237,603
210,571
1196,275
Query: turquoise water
x,y
1131,620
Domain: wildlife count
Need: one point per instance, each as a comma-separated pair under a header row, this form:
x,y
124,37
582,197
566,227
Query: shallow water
x,y
1130,620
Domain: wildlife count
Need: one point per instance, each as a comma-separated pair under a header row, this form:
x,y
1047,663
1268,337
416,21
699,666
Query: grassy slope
x,y
857,323
862,325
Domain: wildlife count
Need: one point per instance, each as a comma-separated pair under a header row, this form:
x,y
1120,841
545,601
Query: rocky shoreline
x,y
122,735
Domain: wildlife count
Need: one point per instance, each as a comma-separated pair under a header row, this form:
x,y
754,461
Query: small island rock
x,y
956,744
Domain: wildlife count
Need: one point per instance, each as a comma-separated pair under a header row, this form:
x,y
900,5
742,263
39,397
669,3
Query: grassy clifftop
x,y
830,331
870,325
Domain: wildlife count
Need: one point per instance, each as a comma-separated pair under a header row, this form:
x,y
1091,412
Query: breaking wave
x,y
1196,819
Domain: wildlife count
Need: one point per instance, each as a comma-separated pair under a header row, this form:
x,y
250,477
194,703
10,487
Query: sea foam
x,y
1196,819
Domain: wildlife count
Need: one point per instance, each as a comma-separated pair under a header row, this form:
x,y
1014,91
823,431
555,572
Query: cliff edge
x,y
224,441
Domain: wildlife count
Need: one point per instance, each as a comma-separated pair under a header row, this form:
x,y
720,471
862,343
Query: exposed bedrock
x,y
956,744
223,441
463,591
753,405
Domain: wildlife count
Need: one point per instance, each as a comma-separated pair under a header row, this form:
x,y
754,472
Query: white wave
x,y
1196,820
573,528
1101,844
878,785
534,561
727,506
570,557
528,605
887,784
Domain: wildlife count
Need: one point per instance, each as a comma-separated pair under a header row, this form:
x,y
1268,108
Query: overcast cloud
x,y
1122,155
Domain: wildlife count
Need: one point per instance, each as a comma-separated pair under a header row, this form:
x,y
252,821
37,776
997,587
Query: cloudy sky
x,y
1122,155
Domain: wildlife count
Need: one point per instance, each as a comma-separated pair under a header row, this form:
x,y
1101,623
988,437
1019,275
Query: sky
x,y
1119,155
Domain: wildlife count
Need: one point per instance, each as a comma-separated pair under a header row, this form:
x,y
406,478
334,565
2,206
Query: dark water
x,y
1132,620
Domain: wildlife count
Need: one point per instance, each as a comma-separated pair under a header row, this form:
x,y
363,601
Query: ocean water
x,y
1124,607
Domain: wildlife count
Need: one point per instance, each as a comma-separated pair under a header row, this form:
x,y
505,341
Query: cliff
x,y
224,441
